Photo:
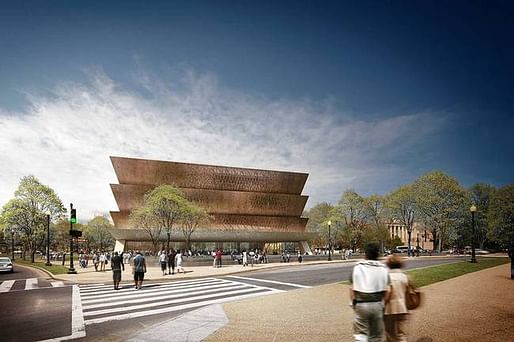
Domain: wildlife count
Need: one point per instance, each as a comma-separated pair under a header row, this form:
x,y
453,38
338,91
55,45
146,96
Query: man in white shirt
x,y
371,286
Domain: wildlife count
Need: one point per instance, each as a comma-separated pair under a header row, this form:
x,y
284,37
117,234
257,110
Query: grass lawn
x,y
56,268
433,274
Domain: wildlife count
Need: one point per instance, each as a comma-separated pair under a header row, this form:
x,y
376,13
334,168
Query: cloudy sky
x,y
365,96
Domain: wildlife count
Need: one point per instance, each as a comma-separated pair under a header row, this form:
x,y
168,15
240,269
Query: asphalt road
x,y
22,272
320,274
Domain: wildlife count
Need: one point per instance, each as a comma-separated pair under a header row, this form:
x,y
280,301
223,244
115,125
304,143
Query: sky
x,y
363,95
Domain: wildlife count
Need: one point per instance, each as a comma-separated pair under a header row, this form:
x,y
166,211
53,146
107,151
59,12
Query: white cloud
x,y
65,138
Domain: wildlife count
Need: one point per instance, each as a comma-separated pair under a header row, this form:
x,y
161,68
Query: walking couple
x,y
378,298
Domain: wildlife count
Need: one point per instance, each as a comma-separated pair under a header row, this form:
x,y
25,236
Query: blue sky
x,y
365,95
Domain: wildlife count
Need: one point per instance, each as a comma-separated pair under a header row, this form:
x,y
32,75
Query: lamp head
x,y
329,222
473,208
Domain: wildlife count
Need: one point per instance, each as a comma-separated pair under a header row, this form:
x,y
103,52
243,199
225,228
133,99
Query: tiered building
x,y
250,208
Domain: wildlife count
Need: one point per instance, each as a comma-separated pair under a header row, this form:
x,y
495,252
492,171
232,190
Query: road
x,y
320,274
38,310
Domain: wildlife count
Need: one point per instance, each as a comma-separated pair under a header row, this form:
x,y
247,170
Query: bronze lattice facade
x,y
261,205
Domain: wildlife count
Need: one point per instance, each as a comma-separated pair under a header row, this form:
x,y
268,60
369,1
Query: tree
x,y
99,231
318,217
376,212
351,210
443,205
402,204
501,223
144,219
191,217
480,196
166,203
27,211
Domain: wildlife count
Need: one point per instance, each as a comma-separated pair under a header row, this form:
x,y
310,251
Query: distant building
x,y
250,208
420,236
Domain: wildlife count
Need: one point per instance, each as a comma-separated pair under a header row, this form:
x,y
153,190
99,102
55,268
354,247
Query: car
x,y
6,265
401,249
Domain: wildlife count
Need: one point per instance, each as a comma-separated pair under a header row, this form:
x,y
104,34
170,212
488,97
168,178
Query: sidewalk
x,y
89,275
473,307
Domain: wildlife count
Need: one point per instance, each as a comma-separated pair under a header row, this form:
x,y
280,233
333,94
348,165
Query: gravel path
x,y
477,306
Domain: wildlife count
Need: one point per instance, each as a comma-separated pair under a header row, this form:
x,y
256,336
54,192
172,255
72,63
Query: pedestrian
x,y
300,259
218,258
139,269
395,314
214,260
178,262
171,261
96,261
102,262
371,287
245,258
116,267
163,259
251,255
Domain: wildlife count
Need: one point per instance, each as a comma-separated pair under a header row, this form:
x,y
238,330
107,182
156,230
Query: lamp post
x,y
473,209
48,263
12,243
329,241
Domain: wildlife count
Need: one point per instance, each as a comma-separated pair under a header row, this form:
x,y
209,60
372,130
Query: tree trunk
x,y
32,256
409,232
440,244
168,239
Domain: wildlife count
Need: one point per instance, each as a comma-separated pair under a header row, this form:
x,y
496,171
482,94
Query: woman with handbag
x,y
395,313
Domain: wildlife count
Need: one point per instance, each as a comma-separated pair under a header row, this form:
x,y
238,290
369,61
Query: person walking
x,y
171,261
395,314
163,259
139,269
245,258
178,262
371,287
116,267
218,258
102,262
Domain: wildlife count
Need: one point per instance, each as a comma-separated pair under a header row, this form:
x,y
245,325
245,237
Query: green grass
x,y
56,268
433,274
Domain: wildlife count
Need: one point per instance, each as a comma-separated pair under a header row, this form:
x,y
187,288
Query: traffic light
x,y
73,216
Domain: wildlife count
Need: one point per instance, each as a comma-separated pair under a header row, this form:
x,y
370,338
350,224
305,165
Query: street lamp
x,y
473,209
12,243
48,263
329,242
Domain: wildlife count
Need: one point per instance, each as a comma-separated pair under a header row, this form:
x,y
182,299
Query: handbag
x,y
413,297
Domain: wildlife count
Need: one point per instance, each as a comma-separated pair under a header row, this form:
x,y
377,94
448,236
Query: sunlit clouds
x,y
65,137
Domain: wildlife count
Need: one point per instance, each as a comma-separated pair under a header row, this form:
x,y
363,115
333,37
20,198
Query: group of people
x,y
171,259
254,257
378,298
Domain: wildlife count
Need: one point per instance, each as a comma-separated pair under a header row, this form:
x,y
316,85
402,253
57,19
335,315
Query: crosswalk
x,y
28,284
100,303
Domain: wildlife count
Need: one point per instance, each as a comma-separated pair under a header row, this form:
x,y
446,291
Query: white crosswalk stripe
x,y
29,284
6,285
100,303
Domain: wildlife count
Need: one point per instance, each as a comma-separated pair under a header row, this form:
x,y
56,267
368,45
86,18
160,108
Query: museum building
x,y
249,208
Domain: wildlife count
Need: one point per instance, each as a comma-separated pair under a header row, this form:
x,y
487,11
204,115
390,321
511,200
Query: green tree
x,y
402,205
501,223
166,203
480,196
98,229
191,217
443,205
377,213
143,218
351,209
27,211
318,217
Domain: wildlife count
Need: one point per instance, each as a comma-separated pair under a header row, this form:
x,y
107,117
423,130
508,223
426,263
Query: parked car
x,y
401,249
6,265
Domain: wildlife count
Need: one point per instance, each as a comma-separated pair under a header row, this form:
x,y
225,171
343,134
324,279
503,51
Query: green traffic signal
x,y
73,216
